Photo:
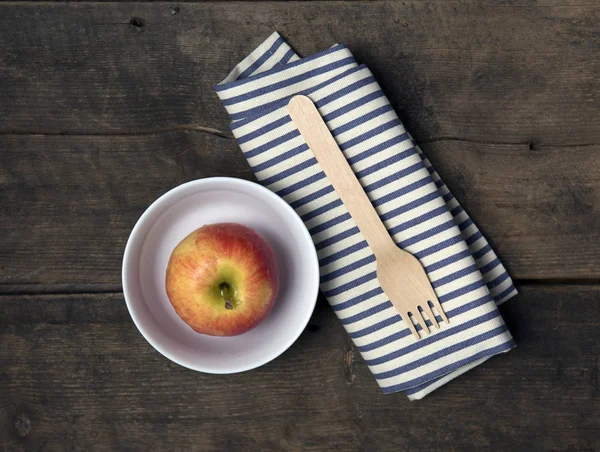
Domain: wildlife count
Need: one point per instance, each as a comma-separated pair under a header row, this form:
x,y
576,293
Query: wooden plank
x,y
70,202
514,72
538,208
76,375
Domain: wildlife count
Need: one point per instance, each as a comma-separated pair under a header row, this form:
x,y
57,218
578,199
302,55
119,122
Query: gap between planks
x,y
119,133
227,135
12,290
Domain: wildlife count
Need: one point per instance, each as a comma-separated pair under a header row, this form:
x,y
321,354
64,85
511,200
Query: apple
x,y
222,279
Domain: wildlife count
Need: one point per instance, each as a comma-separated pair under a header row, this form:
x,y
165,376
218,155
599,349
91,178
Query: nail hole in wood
x,y
23,425
137,22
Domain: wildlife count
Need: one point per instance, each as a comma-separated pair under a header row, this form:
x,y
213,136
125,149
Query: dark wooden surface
x,y
98,117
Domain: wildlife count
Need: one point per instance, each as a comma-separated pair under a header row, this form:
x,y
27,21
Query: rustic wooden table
x,y
103,107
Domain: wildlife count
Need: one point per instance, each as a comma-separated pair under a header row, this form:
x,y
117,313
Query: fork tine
x,y
421,320
431,315
408,321
439,308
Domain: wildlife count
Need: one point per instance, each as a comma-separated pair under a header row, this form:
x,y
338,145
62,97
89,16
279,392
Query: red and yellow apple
x,y
222,279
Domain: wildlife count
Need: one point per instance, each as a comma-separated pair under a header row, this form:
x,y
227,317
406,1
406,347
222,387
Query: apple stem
x,y
225,291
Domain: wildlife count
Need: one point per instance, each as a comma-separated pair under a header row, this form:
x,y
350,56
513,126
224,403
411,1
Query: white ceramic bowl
x,y
172,217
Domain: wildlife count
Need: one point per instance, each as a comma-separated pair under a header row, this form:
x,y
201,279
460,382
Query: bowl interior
x,y
184,209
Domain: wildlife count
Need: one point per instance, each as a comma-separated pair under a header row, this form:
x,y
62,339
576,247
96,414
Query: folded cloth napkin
x,y
417,208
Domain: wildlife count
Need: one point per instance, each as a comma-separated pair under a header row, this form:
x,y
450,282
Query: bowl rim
x,y
128,255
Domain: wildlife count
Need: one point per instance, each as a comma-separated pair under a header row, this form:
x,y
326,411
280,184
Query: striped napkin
x,y
417,208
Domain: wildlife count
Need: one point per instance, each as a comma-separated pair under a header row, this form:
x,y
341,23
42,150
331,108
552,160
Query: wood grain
x,y
70,202
539,208
75,367
509,72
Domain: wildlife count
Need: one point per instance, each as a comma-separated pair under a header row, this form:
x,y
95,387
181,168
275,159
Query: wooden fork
x,y
400,274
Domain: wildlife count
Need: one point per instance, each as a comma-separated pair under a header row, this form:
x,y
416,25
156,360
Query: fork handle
x,y
313,129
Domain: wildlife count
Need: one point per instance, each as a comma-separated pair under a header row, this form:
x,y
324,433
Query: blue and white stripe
x,y
416,206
